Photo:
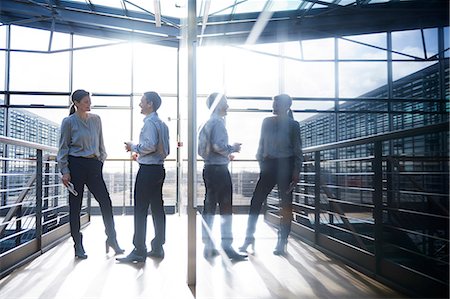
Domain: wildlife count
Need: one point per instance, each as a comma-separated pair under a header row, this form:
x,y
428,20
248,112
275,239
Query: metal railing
x,y
34,205
381,204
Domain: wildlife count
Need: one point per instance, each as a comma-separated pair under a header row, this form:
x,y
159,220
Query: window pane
x,y
39,72
39,100
103,70
36,125
416,80
116,130
250,74
104,101
407,42
210,69
357,48
318,49
358,78
309,79
155,68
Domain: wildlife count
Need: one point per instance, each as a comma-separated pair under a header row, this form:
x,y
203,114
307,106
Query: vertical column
x,y
39,197
192,142
316,196
5,164
377,167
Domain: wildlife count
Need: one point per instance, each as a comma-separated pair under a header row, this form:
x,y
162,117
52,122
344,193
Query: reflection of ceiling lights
x,y
157,5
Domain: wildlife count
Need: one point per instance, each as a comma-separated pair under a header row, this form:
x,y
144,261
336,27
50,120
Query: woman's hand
x,y
66,179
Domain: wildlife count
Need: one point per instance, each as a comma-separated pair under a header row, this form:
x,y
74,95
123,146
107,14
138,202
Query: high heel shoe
x,y
80,253
248,241
114,245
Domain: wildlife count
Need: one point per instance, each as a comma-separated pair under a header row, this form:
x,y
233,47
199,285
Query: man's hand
x,y
237,147
128,146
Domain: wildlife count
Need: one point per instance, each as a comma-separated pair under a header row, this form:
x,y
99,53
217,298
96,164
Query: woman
x,y
280,158
80,159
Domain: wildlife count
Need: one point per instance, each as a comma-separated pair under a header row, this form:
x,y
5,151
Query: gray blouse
x,y
80,138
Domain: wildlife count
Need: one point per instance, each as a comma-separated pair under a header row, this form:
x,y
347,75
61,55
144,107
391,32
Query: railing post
x,y
39,198
377,166
317,182
46,195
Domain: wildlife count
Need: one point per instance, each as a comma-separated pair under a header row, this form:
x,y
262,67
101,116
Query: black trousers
x,y
89,172
148,192
273,172
219,191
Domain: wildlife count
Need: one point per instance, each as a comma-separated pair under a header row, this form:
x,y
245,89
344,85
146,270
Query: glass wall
x,y
341,87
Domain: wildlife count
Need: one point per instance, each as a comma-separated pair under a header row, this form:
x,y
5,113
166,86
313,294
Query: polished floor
x,y
304,273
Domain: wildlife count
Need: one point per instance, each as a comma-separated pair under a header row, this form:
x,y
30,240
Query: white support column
x,y
192,143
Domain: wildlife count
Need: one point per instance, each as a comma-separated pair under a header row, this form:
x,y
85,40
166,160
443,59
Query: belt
x,y
90,156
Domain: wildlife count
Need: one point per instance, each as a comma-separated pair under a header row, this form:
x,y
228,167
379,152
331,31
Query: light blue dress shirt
x,y
213,144
153,146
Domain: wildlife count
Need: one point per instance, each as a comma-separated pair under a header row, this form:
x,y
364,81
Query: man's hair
x,y
153,97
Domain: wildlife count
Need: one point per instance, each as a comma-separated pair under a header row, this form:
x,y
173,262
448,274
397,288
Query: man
x,y
152,149
280,158
213,147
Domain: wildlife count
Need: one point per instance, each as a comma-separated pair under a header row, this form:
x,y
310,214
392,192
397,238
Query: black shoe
x,y
156,253
210,252
133,257
233,255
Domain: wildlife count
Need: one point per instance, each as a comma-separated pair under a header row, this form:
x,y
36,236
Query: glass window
x,y
248,135
431,41
359,47
24,38
154,68
408,42
359,78
250,74
2,122
446,41
116,130
106,101
309,79
103,69
36,125
416,80
318,49
51,100
2,68
3,36
39,72
210,69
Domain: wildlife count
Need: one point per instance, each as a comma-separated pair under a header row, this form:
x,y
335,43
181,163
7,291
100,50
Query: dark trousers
x,y
89,172
148,192
219,191
273,172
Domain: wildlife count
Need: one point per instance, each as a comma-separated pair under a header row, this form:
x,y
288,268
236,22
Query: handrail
x,y
380,137
19,142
